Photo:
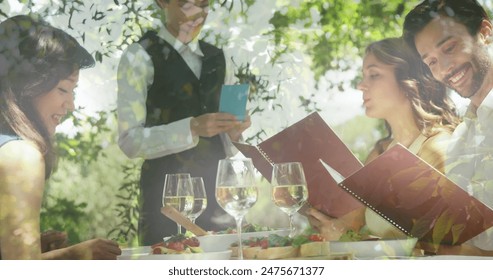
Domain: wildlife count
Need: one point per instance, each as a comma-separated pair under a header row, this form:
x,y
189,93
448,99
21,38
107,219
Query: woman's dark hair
x,y
432,108
467,12
34,58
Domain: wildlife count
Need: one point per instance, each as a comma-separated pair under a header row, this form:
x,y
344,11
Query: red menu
x,y
418,199
307,141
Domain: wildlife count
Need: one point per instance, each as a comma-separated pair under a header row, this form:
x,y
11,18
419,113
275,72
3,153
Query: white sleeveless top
x,y
377,225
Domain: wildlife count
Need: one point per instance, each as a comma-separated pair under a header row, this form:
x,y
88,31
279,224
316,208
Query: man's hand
x,y
330,228
211,124
96,249
235,132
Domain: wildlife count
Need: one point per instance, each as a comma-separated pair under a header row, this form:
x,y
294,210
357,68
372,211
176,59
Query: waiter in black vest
x,y
169,84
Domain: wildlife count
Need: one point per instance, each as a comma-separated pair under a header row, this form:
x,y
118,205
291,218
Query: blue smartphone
x,y
234,99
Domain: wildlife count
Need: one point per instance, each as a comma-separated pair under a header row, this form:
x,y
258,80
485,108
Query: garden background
x,y
299,56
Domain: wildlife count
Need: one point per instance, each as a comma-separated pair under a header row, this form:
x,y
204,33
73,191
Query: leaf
x,y
99,57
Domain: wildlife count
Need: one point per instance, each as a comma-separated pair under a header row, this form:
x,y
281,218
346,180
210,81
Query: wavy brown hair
x,y
34,58
432,108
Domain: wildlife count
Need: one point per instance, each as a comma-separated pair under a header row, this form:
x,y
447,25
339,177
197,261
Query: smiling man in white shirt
x,y
453,37
169,84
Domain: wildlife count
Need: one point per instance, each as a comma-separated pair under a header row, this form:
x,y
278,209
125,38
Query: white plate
x,y
222,242
375,248
136,250
224,255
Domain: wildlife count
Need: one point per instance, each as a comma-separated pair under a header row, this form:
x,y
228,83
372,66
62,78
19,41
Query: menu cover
x,y
418,199
307,141
234,99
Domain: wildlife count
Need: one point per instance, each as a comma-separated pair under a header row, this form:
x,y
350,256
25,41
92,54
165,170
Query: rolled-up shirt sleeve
x,y
135,74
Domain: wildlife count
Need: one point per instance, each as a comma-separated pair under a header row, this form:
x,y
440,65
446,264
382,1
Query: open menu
x,y
417,198
307,141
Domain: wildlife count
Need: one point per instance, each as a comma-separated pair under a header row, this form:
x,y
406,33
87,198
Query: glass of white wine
x,y
236,190
178,193
289,191
199,198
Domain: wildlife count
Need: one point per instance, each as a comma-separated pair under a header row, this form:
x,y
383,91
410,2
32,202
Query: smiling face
x,y
382,96
185,18
455,58
55,104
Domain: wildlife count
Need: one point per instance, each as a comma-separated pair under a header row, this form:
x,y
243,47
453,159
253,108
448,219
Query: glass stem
x,y
238,231
292,231
179,228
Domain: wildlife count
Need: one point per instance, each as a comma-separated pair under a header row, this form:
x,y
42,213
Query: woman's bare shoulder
x,y
20,155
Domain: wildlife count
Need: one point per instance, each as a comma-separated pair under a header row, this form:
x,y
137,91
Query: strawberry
x,y
315,237
264,243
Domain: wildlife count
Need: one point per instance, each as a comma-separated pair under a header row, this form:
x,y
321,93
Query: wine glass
x,y
199,200
178,193
289,191
236,191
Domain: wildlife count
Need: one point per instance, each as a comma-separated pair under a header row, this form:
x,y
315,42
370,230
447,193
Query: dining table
x,y
217,247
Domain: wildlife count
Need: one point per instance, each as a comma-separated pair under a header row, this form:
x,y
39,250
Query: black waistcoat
x,y
175,94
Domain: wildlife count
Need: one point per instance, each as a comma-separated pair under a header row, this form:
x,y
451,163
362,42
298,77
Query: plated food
x,y
178,244
221,241
270,247
283,247
178,247
311,245
274,246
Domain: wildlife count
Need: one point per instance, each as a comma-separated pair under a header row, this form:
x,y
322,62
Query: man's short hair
x,y
467,12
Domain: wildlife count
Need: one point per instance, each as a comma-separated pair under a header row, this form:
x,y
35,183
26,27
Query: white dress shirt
x,y
470,159
135,75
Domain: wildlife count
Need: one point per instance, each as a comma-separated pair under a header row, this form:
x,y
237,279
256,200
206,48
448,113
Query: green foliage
x,y
91,177
244,4
308,104
335,32
260,94
87,137
84,148
258,85
127,211
65,215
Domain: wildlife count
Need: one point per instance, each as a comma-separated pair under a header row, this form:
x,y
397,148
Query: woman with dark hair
x,y
39,70
399,89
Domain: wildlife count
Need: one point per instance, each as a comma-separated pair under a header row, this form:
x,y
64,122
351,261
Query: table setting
x,y
236,191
